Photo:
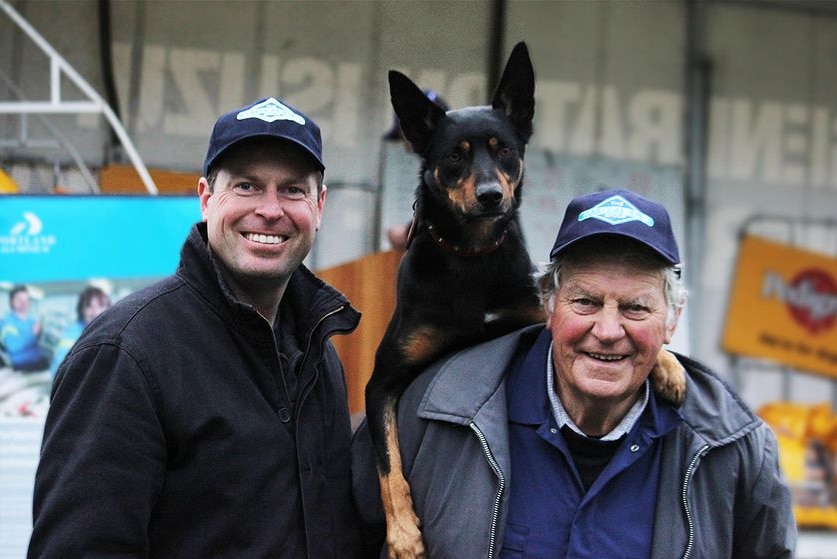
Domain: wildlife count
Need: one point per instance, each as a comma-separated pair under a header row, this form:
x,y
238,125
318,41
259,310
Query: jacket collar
x,y
313,300
713,410
467,380
526,384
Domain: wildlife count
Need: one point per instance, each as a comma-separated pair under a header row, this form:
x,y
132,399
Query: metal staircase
x,y
94,104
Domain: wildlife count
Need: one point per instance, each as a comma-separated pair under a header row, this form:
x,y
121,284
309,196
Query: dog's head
x,y
472,158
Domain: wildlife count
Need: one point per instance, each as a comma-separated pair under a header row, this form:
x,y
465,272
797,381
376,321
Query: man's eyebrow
x,y
240,175
576,290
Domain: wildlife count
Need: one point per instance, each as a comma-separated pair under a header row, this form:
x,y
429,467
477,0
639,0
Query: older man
x,y
550,442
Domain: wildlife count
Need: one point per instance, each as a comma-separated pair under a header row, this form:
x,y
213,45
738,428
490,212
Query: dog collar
x,y
447,246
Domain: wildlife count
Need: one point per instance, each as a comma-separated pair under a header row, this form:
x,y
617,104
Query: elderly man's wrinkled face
x,y
608,323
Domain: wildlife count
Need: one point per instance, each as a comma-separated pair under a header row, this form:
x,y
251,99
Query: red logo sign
x,y
812,300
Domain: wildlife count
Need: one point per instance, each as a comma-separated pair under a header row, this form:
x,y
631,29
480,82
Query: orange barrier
x,y
123,179
369,283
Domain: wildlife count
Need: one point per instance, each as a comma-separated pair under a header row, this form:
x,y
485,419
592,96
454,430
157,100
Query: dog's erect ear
x,y
516,92
416,113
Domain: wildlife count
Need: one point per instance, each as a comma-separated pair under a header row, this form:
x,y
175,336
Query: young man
x,y
206,415
556,442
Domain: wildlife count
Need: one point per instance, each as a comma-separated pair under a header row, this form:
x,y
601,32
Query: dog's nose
x,y
489,195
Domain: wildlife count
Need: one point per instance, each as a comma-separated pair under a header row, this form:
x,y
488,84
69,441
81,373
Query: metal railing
x,y
94,104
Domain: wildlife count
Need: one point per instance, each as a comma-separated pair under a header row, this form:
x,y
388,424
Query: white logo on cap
x,y
615,211
270,110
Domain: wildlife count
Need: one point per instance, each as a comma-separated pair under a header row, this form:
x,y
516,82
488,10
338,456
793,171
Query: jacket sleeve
x,y
102,459
767,528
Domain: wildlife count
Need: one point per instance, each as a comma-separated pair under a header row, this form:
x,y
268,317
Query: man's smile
x,y
603,356
265,239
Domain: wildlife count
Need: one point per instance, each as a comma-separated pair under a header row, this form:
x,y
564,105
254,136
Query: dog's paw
x,y
669,378
404,538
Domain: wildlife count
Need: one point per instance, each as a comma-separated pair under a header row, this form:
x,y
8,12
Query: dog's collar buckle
x,y
452,248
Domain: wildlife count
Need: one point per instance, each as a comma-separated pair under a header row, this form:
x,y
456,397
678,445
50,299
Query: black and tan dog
x,y
466,275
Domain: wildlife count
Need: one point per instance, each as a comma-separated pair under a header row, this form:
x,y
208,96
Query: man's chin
x,y
265,271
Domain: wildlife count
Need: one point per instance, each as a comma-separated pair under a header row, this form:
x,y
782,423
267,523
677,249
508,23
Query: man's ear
x,y
321,197
204,194
671,326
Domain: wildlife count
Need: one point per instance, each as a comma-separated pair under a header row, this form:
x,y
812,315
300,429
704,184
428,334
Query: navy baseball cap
x,y
618,212
265,117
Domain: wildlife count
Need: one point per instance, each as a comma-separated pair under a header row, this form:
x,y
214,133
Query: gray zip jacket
x,y
721,492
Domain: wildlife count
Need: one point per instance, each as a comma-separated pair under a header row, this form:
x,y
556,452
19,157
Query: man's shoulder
x,y
467,375
13,325
485,355
149,304
712,406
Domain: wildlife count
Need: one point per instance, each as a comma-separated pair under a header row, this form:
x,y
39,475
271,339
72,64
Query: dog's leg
x,y
400,358
669,377
403,534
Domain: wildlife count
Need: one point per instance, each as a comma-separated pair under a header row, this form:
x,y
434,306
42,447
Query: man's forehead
x,y
603,284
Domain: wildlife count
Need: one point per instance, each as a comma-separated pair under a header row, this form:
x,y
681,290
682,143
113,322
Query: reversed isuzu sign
x,y
783,306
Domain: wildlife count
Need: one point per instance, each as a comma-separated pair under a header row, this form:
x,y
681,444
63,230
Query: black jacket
x,y
170,433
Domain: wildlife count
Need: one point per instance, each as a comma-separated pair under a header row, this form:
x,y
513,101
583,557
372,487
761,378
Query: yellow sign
x,y
783,307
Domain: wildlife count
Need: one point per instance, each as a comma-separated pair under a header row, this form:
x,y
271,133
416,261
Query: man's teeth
x,y
264,239
603,357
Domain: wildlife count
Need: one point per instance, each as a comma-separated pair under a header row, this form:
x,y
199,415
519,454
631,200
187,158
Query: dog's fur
x,y
466,275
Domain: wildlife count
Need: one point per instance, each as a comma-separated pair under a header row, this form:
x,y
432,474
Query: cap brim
x,y
670,259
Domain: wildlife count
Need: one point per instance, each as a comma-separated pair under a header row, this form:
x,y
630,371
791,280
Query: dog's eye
x,y
505,152
454,157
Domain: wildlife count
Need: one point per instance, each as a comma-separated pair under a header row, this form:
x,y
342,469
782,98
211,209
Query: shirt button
x,y
284,415
553,430
634,447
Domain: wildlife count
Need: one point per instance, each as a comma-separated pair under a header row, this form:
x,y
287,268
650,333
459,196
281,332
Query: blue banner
x,y
66,238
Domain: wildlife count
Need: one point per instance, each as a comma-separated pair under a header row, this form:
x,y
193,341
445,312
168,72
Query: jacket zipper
x,y
304,355
690,471
495,513
279,362
317,325
310,340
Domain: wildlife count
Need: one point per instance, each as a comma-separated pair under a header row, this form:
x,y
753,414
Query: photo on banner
x,y
64,260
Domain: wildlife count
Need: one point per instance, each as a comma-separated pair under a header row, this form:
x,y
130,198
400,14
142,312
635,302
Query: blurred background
x,y
723,110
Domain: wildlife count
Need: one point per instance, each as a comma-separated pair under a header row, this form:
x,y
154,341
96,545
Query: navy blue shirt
x,y
551,514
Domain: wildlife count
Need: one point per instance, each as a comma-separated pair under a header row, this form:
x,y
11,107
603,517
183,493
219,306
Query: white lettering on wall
x,y
654,120
789,144
185,67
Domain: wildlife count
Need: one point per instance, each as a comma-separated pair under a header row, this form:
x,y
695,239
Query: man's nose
x,y
270,205
608,325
